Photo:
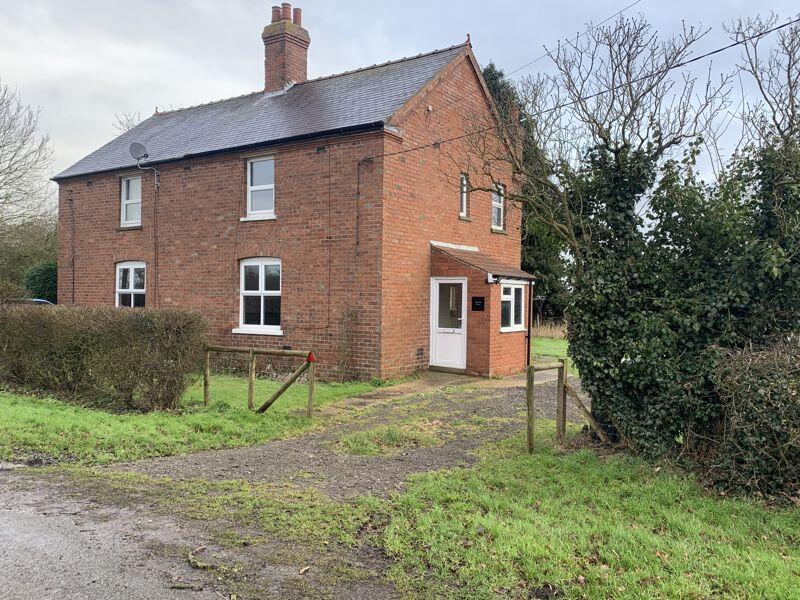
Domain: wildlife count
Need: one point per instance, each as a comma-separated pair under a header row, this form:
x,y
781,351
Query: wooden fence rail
x,y
309,365
563,389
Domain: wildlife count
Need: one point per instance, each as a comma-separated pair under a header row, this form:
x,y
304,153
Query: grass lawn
x,y
546,350
65,431
550,525
588,526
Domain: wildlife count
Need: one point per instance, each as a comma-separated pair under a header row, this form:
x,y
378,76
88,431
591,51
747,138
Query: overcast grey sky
x,y
82,61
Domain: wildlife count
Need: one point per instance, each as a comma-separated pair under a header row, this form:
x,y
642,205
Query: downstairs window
x,y
512,307
131,284
260,296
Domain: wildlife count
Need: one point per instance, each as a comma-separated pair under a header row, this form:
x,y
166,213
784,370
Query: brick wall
x,y
421,197
490,352
356,273
331,289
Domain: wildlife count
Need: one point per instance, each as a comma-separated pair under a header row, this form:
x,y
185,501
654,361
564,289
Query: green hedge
x,y
759,445
113,358
41,281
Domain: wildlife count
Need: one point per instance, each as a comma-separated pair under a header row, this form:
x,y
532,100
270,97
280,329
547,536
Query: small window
x,y
261,188
260,296
463,209
512,307
499,208
131,201
131,284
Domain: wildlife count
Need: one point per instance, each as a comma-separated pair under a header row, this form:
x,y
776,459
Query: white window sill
x,y
257,330
258,218
498,229
130,225
512,329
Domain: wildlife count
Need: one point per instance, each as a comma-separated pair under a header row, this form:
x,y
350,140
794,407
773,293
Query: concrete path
x,y
55,548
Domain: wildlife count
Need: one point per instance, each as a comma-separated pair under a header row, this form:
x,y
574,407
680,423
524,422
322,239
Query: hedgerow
x,y
759,439
116,359
664,309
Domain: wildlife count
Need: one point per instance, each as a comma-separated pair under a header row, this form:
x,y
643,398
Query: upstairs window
x,y
499,208
131,284
261,188
260,296
512,307
463,207
131,201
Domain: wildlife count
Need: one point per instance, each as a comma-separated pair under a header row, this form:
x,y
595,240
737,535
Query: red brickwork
x,y
331,295
421,196
285,49
354,242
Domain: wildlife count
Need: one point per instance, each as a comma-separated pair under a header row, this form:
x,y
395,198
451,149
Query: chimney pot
x,y
285,49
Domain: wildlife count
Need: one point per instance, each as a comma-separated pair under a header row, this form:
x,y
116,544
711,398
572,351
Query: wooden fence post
x,y
561,403
312,368
207,377
530,404
251,374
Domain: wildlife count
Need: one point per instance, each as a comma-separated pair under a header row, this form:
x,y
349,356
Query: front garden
x,y
43,429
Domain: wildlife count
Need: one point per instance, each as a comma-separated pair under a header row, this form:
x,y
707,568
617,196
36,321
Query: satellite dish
x,y
138,151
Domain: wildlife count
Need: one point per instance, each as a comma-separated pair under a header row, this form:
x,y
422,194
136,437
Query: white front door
x,y
449,322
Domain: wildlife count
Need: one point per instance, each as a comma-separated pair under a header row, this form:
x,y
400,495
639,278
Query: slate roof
x,y
361,98
485,263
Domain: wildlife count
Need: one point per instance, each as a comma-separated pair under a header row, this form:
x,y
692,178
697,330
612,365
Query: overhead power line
x,y
604,21
663,71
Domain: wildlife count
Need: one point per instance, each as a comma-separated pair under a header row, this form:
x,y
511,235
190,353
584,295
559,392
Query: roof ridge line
x,y
375,66
210,102
388,62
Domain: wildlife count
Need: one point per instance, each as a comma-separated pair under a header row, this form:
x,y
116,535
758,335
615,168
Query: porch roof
x,y
485,263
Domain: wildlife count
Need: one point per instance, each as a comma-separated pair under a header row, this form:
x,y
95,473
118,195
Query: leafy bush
x,y
41,281
759,449
657,309
117,359
11,292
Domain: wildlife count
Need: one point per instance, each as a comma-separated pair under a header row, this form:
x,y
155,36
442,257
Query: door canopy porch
x,y
495,269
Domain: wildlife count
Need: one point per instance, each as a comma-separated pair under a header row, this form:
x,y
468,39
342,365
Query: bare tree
x,y
25,157
126,120
776,72
613,90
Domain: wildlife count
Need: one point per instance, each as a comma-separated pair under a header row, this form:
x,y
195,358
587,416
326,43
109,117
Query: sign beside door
x,y
449,322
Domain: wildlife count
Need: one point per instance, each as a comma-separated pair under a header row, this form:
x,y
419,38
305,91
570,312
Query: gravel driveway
x,y
57,542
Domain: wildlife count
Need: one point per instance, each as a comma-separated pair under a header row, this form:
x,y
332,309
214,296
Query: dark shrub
x,y
108,357
11,292
41,281
759,449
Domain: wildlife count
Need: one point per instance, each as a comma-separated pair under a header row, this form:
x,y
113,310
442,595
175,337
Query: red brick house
x,y
314,214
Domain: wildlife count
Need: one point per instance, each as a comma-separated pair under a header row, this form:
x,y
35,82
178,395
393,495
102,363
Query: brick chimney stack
x,y
285,49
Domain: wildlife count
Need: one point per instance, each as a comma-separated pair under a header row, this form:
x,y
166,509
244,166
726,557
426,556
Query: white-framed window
x,y
499,208
260,296
512,306
260,188
130,201
463,191
131,284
